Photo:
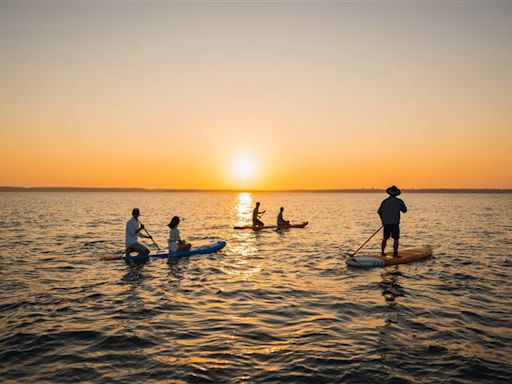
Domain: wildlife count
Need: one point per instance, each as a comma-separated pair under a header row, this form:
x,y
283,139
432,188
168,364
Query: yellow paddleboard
x,y
404,256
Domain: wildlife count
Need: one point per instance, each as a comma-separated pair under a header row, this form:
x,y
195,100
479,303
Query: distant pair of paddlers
x,y
256,214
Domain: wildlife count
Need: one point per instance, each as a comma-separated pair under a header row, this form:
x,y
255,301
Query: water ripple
x,y
272,307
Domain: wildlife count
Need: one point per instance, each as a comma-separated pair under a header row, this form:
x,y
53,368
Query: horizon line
x,y
297,190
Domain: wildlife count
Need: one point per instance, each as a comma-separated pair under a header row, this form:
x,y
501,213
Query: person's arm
x,y
179,237
403,208
141,227
379,211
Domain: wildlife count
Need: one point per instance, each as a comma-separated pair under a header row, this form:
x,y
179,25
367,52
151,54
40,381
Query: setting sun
x,y
244,169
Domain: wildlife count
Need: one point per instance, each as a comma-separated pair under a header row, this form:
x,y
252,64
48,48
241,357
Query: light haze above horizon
x,y
309,95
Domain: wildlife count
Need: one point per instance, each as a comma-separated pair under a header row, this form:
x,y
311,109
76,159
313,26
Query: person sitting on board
x,y
133,228
389,212
282,223
175,242
256,222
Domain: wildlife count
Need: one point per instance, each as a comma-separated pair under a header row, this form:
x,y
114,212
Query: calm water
x,y
271,307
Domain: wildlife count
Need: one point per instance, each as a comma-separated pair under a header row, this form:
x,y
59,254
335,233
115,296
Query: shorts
x,y
391,230
139,248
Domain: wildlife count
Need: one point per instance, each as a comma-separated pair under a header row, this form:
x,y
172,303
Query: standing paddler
x,y
389,212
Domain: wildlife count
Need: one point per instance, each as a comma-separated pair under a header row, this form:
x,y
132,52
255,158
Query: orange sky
x,y
315,96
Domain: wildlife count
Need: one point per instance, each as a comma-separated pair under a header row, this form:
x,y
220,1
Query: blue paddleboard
x,y
201,250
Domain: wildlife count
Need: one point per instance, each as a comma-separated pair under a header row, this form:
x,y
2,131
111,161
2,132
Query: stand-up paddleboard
x,y
404,256
256,228
201,250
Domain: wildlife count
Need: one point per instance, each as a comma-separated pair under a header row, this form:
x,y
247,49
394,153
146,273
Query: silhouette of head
x,y
135,212
174,222
393,191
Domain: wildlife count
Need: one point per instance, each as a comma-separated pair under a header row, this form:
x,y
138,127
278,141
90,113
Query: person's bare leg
x,y
383,247
184,246
395,247
140,249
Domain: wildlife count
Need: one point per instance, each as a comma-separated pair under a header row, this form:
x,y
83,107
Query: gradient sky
x,y
309,95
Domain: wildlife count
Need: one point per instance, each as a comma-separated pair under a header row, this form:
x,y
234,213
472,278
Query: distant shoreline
x,y
361,190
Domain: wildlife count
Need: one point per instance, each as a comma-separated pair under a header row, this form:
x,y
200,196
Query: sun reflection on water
x,y
243,208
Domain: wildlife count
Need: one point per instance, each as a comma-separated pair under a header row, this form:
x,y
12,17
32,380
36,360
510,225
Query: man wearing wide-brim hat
x,y
389,212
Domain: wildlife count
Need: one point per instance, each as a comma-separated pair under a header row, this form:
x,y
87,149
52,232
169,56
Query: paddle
x,y
147,233
358,249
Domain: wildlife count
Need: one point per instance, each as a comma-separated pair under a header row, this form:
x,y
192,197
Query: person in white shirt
x,y
133,228
175,242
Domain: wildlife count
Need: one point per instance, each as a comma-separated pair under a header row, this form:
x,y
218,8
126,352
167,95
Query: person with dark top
x,y
256,222
282,223
133,228
389,212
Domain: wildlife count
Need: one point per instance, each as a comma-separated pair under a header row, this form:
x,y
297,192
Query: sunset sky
x,y
253,95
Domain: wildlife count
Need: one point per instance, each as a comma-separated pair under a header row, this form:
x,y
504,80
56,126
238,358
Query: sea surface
x,y
271,307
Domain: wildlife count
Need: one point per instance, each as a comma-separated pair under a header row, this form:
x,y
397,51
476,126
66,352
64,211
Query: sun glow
x,y
244,169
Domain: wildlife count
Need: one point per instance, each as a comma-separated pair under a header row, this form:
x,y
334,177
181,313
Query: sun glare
x,y
244,169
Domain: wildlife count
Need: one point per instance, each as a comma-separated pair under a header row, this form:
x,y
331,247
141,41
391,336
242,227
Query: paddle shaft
x,y
358,249
151,237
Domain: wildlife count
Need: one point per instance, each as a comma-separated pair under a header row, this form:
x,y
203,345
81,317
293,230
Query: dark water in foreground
x,y
271,307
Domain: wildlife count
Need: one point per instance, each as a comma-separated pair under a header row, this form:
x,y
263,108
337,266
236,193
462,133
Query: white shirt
x,y
132,226
174,237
